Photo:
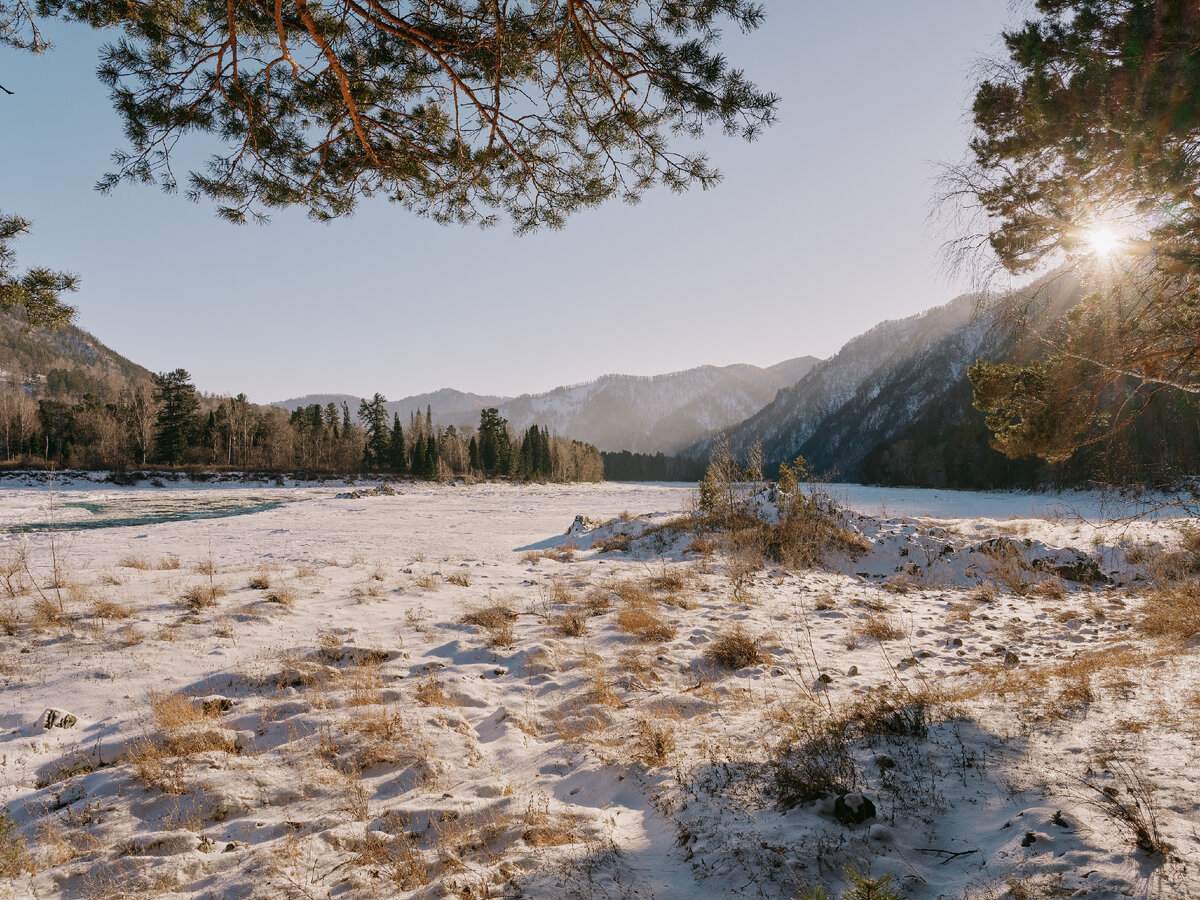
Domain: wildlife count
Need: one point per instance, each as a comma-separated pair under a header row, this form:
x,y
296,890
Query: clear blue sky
x,y
817,232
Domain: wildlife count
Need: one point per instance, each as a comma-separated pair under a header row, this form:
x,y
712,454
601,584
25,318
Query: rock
x,y
852,671
826,678
853,809
885,762
1011,659
58,718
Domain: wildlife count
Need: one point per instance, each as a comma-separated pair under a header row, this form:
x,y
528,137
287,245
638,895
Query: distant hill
x,y
643,413
78,359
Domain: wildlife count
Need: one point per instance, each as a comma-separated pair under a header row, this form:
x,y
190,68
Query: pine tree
x,y
396,451
373,416
420,98
175,422
473,454
418,457
431,456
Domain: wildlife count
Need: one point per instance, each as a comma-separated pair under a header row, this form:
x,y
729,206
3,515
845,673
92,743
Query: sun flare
x,y
1103,241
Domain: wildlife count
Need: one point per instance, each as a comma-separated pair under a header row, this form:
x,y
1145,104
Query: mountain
x,y
647,414
73,359
885,381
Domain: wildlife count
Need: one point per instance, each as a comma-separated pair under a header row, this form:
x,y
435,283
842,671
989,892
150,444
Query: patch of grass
x,y
14,855
202,596
1172,613
462,579
495,621
879,627
655,742
641,621
106,608
260,581
570,622
285,595
427,582
735,648
134,561
617,543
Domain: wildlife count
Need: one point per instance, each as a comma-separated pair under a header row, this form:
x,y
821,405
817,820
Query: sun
x,y
1103,241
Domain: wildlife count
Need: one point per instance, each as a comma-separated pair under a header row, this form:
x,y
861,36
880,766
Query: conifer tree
x,y
473,454
174,423
396,451
456,109
373,415
431,457
418,457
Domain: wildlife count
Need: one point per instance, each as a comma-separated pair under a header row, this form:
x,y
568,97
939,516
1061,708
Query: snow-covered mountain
x,y
647,414
880,383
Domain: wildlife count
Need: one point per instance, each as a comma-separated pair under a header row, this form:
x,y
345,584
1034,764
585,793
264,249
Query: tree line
x,y
169,423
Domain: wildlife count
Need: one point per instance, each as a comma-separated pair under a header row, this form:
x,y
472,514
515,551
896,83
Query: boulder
x,y
58,718
853,809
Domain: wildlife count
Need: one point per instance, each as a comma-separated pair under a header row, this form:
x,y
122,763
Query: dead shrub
x,y
431,692
655,742
10,619
570,623
617,543
816,765
48,614
598,601
495,621
705,546
427,582
462,579
1005,564
260,581
1172,613
14,855
641,621
395,857
735,648
105,608
201,596
879,627
811,533
285,595
543,829
168,564
134,561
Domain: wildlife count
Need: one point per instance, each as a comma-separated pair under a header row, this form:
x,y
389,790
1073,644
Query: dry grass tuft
x,y
285,595
1172,613
260,581
879,627
427,582
201,596
134,561
495,621
106,608
617,543
570,622
655,742
462,579
643,622
735,648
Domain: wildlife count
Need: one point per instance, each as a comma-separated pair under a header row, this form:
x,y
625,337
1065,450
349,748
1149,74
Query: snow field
x,y
440,693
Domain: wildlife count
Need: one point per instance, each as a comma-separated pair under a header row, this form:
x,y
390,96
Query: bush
x,y
734,648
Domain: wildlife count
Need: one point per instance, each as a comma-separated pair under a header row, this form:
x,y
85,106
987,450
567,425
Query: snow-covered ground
x,y
441,692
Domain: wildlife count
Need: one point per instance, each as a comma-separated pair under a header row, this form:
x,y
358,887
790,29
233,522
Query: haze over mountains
x,y
645,414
